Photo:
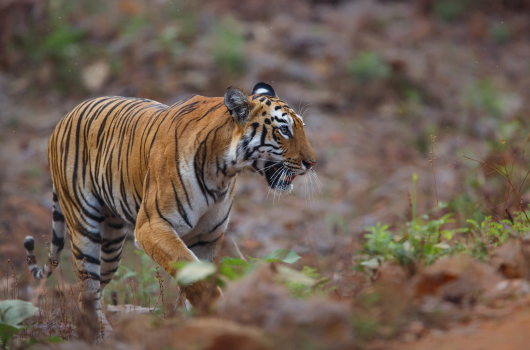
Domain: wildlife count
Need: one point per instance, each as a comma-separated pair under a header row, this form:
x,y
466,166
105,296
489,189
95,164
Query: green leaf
x,y
32,341
13,312
228,271
282,255
372,263
292,276
233,261
54,339
7,331
195,271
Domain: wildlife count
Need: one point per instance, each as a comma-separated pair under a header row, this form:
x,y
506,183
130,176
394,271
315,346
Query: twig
x,y
433,158
238,251
504,174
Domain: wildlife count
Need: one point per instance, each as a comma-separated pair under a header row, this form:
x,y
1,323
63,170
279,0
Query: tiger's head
x,y
270,136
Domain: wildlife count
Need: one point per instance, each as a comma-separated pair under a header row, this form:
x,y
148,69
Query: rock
x,y
95,75
195,79
512,259
458,279
514,288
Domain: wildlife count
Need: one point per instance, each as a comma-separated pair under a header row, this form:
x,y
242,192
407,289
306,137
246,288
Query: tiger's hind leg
x,y
83,221
114,235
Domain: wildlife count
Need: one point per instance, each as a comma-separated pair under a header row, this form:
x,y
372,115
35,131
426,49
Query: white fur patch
x,y
261,91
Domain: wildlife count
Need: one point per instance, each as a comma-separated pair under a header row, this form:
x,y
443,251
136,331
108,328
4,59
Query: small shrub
x,y
228,46
483,95
300,284
369,66
12,314
501,33
423,241
450,10
145,278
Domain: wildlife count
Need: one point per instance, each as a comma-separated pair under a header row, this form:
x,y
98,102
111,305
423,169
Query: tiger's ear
x,y
263,89
238,103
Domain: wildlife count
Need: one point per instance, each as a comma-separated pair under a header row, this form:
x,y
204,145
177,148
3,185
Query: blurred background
x,y
374,80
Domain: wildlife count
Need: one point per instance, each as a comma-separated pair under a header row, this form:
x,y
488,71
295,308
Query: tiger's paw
x,y
202,293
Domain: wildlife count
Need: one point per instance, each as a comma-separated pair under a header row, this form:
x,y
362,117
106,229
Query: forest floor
x,y
382,78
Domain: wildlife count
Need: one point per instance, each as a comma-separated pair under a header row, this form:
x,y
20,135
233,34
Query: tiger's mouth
x,y
278,176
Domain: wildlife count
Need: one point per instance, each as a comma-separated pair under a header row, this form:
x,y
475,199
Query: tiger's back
x,y
95,147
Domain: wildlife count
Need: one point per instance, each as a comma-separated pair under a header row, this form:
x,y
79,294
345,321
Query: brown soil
x,y
510,332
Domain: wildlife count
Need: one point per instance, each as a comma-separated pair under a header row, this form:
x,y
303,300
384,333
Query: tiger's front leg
x,y
159,240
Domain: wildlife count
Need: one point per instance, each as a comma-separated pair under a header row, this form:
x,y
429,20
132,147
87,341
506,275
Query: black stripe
x,y
91,236
58,216
263,134
117,226
106,273
224,219
108,243
79,255
108,250
160,213
200,244
84,275
116,258
57,241
180,208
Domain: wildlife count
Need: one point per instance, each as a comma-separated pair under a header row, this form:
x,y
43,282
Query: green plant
x,y
369,66
419,241
12,314
423,241
228,46
300,284
484,96
145,277
501,33
450,10
305,289
410,106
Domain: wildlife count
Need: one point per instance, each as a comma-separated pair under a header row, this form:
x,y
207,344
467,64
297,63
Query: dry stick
x,y
433,158
129,280
6,293
178,300
15,280
161,292
506,177
238,251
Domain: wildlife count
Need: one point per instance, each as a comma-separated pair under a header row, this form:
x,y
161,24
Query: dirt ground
x,y
374,80
507,332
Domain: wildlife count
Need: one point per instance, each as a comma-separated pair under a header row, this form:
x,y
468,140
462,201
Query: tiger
x,y
169,171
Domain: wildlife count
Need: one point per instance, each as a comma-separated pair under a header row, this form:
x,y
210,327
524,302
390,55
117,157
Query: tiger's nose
x,y
308,163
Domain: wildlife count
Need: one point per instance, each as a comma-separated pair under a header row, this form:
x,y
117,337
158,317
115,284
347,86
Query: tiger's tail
x,y
59,230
